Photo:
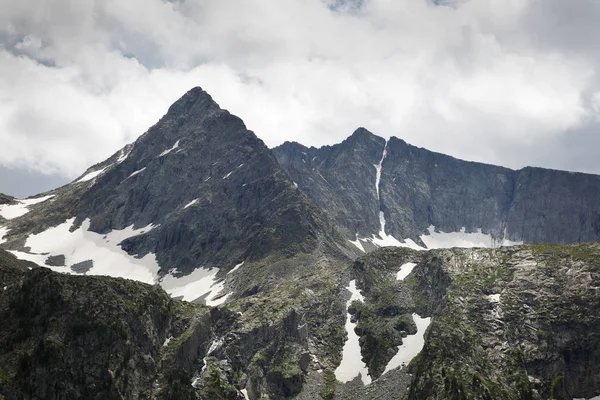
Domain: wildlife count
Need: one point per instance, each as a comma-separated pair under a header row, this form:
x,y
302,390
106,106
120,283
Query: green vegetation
x,y
215,385
555,255
328,391
4,377
555,382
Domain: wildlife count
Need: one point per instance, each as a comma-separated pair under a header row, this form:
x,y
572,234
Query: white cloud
x,y
472,78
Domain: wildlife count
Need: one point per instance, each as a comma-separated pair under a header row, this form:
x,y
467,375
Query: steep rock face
x,y
419,189
563,203
339,178
66,337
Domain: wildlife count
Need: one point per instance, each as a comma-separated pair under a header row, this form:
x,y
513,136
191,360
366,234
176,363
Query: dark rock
x,y
83,266
340,178
56,261
6,199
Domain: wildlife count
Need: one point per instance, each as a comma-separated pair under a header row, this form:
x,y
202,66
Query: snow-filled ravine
x,y
101,254
352,364
11,211
411,345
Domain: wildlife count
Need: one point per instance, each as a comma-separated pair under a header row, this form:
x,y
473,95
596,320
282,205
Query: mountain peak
x,y
195,100
364,133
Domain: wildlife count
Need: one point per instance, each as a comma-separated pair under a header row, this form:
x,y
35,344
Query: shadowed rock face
x,y
420,188
340,178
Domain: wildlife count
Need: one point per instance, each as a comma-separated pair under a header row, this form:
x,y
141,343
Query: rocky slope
x,y
513,323
419,189
510,323
87,337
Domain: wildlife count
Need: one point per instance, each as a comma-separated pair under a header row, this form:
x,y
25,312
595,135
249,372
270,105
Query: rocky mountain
x,y
197,193
434,200
197,264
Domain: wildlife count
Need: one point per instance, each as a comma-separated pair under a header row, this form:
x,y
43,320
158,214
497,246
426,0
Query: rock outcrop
x,y
513,323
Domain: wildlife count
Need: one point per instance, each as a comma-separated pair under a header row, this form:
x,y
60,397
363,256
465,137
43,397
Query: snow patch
x,y
136,172
199,283
358,244
196,383
11,211
411,345
191,203
378,170
494,298
439,240
34,258
383,239
236,268
405,270
123,155
245,393
444,240
229,174
175,146
215,344
83,245
91,175
352,364
3,232
167,341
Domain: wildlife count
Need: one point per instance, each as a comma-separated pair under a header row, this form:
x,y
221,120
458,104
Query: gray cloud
x,y
507,82
22,183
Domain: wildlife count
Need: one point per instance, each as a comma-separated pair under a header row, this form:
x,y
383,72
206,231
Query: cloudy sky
x,y
510,82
